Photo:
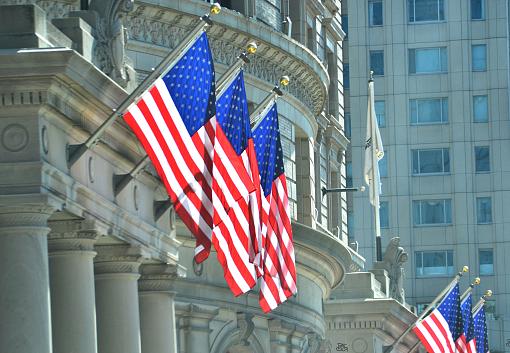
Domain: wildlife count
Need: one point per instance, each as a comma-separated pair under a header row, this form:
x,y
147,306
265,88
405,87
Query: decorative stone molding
x,y
246,326
72,235
166,27
53,9
158,277
118,259
25,219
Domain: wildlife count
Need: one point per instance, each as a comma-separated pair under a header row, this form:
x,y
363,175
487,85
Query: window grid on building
x,y
434,263
423,111
375,13
431,161
479,57
483,210
482,159
480,109
425,10
377,62
432,212
428,60
380,113
478,9
486,261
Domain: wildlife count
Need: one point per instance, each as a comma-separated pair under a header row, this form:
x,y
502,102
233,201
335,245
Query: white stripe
x,y
170,177
420,327
268,296
447,340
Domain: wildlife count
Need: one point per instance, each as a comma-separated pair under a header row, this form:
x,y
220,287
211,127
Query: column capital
x,y
25,219
159,277
121,258
72,235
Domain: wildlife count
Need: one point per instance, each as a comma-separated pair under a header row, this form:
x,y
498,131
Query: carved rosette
x,y
72,235
113,259
166,28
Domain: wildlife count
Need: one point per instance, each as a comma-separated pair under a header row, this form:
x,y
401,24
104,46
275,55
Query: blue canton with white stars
x,y
450,309
232,114
192,85
465,307
482,342
268,147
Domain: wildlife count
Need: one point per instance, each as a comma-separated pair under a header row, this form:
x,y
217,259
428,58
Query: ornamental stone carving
x,y
14,137
393,261
72,235
117,259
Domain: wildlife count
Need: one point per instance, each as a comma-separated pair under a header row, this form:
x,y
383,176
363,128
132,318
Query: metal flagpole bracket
x,y
74,152
326,191
160,207
430,307
120,181
276,92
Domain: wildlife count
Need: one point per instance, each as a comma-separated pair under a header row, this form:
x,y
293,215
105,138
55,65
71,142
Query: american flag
x,y
468,335
237,230
278,281
175,122
440,330
480,326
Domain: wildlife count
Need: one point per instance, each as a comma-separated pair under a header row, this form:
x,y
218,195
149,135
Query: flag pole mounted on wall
x,y
120,181
455,280
74,152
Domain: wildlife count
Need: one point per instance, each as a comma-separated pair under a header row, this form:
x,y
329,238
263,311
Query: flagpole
x,y
276,92
482,301
454,281
120,181
470,288
74,152
413,348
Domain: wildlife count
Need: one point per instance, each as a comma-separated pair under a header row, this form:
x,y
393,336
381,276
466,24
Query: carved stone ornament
x,y
14,137
393,261
117,259
246,327
72,235
158,277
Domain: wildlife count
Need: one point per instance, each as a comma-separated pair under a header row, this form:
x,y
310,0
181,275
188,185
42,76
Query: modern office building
x,y
441,82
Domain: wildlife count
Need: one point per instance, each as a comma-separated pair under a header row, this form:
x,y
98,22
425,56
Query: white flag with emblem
x,y
374,151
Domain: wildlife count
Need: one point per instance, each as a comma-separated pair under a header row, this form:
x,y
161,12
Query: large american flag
x,y
480,326
440,330
468,336
278,281
175,122
236,177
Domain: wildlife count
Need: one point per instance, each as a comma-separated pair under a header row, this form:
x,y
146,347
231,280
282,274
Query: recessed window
x,y
348,174
345,24
479,57
380,113
384,216
425,10
428,111
420,307
377,62
483,210
428,60
480,109
434,263
383,165
431,161
347,123
482,159
486,257
347,83
431,212
375,12
477,9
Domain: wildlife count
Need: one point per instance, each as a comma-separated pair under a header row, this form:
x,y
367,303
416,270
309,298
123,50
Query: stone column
x,y
195,324
25,325
73,308
157,312
118,320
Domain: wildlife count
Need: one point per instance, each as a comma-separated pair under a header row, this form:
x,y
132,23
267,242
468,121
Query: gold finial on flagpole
x,y
465,269
251,47
371,75
284,80
215,8
476,281
488,294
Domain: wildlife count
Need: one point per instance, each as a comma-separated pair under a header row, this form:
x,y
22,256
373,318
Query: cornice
x,y
277,54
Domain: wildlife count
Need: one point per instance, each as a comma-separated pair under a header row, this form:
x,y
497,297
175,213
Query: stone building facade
x,y
90,270
441,85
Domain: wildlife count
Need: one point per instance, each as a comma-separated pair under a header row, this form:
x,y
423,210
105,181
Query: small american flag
x,y
482,341
175,122
468,336
278,281
440,330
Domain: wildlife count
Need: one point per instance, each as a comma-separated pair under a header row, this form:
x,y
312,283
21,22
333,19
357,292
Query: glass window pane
x,y
347,122
448,211
483,210
383,165
375,12
486,257
346,76
480,109
434,263
345,24
477,9
428,60
377,62
431,161
432,212
429,111
482,159
384,216
348,174
380,113
479,57
417,212
446,160
426,10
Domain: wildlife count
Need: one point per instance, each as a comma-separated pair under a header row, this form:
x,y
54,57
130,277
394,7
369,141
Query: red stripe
x,y
432,331
423,340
